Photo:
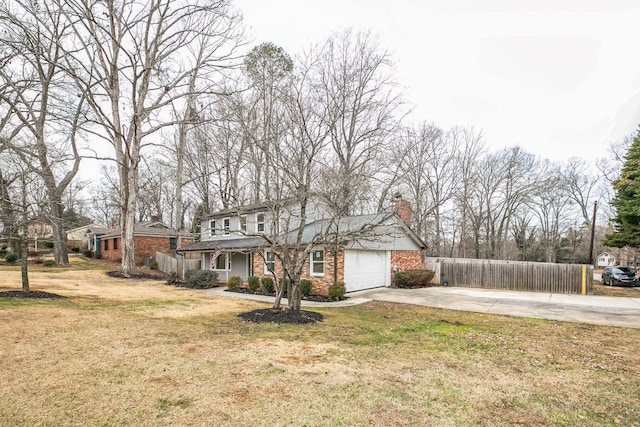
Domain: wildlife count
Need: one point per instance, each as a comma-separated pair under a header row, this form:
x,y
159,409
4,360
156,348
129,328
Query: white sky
x,y
560,78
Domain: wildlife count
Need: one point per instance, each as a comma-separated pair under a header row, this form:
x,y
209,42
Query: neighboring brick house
x,y
231,244
148,238
78,237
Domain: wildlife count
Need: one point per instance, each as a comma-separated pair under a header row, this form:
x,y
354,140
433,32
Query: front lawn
x,y
121,352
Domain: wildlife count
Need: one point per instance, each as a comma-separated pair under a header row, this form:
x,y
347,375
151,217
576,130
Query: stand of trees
x,y
192,125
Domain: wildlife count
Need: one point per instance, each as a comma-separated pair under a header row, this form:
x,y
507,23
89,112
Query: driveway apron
x,y
598,310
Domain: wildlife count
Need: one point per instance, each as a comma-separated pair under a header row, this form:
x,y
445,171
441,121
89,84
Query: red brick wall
x,y
406,260
320,284
111,254
144,246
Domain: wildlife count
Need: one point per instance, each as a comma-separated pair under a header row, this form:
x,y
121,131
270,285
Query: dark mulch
x,y
32,294
282,316
181,284
316,298
138,275
431,285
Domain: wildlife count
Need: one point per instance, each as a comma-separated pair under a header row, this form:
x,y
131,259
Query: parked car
x,y
620,276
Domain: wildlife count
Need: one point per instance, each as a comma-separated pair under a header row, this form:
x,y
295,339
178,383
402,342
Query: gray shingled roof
x,y
159,230
243,243
349,228
99,230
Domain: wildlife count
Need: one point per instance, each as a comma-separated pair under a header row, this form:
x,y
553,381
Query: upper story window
x,y
260,222
317,263
242,223
212,228
115,243
226,226
106,244
173,242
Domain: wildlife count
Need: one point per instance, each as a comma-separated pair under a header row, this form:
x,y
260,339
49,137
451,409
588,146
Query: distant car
x,y
620,276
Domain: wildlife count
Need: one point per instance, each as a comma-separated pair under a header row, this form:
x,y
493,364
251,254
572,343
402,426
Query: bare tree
x,y
506,181
45,106
262,113
583,186
470,150
298,159
429,174
156,190
550,202
17,179
204,80
364,106
104,196
129,60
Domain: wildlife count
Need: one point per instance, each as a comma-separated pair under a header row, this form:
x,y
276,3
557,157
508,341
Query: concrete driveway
x,y
598,310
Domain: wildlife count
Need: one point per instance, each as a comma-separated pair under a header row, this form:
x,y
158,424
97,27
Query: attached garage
x,y
365,269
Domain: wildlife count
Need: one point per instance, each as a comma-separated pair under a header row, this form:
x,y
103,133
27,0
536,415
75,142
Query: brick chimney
x,y
403,209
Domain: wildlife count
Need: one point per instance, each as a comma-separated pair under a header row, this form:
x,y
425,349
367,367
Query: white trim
x,y
263,223
213,261
312,263
266,270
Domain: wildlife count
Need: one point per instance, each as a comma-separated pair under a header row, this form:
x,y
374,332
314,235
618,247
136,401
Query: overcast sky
x,y
560,78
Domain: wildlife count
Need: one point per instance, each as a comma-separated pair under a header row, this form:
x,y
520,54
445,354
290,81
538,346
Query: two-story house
x,y
364,251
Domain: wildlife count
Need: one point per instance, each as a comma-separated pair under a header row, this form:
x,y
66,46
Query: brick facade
x,y
320,284
401,260
144,246
405,260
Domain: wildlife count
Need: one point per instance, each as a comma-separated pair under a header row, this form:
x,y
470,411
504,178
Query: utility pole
x,y
593,232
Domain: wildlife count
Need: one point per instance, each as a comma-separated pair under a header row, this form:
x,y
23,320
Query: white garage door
x,y
366,269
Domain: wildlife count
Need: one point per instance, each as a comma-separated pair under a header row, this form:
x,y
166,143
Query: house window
x,y
173,242
317,263
243,223
212,228
220,262
269,262
115,243
260,222
226,226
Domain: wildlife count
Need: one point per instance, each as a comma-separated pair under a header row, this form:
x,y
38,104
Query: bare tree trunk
x,y
277,303
128,265
60,253
24,269
295,298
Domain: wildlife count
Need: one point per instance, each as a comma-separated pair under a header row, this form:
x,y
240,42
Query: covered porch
x,y
228,264
228,257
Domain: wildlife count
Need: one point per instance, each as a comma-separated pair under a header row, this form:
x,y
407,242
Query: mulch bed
x,y
32,294
138,275
282,316
431,285
316,298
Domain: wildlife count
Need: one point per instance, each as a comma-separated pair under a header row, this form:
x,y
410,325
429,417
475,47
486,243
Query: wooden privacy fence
x,y
513,275
168,263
